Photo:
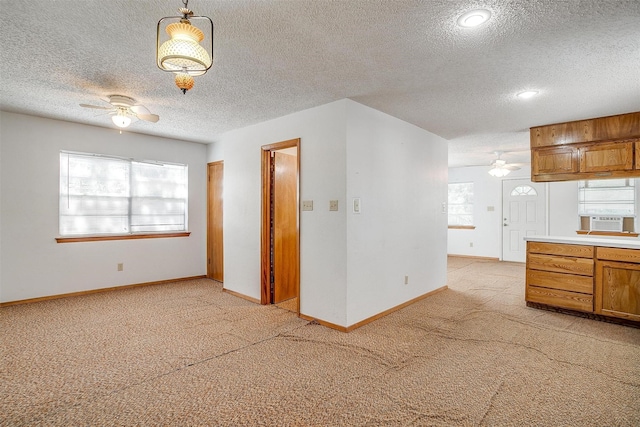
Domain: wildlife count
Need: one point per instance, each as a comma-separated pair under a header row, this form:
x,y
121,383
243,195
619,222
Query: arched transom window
x,y
524,190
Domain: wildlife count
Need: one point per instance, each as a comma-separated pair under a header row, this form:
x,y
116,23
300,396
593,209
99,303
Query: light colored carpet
x,y
189,354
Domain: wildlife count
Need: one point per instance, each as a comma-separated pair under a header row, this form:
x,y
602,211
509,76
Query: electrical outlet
x,y
470,244
406,280
120,266
333,205
307,205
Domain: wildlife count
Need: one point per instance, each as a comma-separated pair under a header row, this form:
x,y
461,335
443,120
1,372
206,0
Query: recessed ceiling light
x,y
473,18
527,94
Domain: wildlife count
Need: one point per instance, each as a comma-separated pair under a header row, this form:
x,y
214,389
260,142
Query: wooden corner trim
x,y
608,233
121,237
374,317
95,291
242,296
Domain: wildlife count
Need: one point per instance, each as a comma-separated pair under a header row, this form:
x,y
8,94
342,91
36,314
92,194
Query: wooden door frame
x,y
221,162
265,237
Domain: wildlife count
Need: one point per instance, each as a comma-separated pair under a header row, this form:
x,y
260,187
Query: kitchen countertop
x,y
627,243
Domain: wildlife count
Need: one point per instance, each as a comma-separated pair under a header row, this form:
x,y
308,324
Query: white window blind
x,y
607,197
110,195
461,203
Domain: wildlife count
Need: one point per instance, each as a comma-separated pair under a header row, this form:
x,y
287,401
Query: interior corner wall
x,y
323,258
487,193
32,263
399,173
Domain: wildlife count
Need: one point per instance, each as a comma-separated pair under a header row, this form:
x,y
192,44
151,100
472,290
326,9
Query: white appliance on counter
x,y
605,223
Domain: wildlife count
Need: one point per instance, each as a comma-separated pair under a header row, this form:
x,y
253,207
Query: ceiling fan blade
x,y
96,107
140,109
511,167
148,117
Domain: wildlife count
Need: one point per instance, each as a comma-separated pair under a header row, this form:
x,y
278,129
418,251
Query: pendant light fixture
x,y
182,53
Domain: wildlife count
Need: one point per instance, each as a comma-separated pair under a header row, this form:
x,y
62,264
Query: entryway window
x,y
524,190
461,204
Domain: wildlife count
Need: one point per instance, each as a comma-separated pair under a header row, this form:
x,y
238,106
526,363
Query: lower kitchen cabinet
x,y
560,275
602,281
617,283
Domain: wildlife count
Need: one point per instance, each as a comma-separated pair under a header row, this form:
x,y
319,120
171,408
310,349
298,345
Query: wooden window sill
x,y
121,237
462,227
608,233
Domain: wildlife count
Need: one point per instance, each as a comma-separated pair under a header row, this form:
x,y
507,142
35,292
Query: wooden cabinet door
x,y
614,156
557,160
618,289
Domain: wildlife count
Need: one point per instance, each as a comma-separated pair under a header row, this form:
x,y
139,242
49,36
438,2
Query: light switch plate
x,y
333,205
307,205
356,205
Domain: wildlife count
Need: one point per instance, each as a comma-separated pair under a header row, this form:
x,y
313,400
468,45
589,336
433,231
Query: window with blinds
x,y
607,197
110,195
460,202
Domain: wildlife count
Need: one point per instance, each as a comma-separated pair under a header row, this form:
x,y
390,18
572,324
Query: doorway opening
x,y
280,231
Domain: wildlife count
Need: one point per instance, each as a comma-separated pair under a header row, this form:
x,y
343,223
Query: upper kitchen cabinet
x,y
605,147
607,157
562,133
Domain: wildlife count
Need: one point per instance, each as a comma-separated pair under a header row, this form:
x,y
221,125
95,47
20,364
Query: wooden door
x,y
618,289
285,239
280,231
215,255
523,214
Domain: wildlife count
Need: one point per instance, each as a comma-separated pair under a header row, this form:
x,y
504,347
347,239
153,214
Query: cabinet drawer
x,y
558,298
562,281
581,266
578,251
618,254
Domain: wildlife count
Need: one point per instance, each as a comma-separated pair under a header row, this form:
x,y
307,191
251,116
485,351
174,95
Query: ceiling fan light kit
x,y
500,168
182,53
121,119
124,110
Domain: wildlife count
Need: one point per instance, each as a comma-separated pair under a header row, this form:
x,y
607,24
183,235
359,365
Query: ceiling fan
x,y
124,109
500,168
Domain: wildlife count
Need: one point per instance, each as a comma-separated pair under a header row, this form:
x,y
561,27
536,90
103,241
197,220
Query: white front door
x,y
523,214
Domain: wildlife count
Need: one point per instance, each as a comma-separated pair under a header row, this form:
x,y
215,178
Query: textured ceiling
x,y
407,58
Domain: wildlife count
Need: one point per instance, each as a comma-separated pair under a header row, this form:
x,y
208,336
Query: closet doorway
x,y
280,234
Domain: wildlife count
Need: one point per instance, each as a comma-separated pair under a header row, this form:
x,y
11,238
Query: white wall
x,y
563,208
346,151
322,233
399,172
32,264
487,193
